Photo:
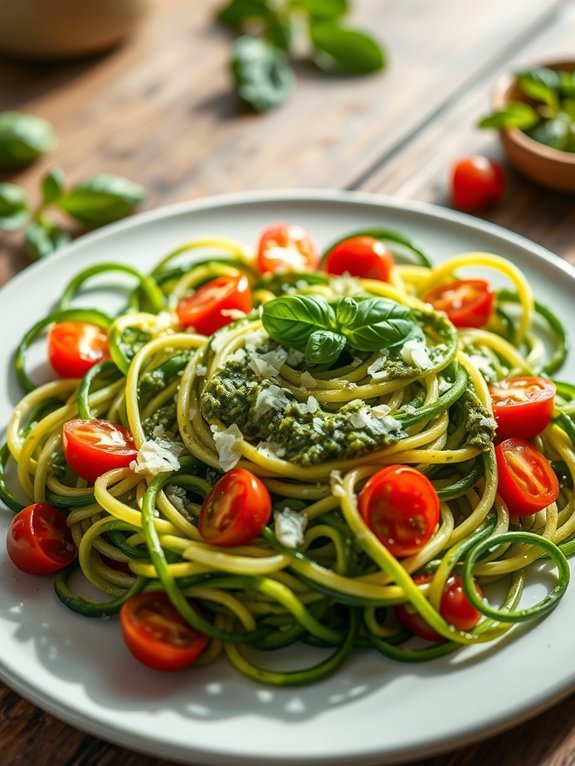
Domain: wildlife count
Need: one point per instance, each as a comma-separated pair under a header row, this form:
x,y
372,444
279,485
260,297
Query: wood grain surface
x,y
159,110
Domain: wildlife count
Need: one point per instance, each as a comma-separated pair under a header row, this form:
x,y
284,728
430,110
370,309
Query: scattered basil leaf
x,y
291,319
381,324
553,133
279,33
341,50
261,72
324,347
516,114
14,208
541,85
52,186
42,238
237,13
323,10
102,199
345,310
567,83
568,106
23,138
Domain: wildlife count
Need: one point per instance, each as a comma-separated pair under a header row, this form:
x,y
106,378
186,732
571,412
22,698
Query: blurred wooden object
x,y
160,110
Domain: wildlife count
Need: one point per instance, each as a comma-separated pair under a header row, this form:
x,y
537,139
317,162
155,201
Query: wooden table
x,y
159,110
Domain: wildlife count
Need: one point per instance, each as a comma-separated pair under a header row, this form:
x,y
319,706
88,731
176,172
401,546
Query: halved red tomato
x,y
74,347
39,540
522,407
286,247
92,447
467,302
527,483
454,607
157,634
401,507
362,256
206,309
236,510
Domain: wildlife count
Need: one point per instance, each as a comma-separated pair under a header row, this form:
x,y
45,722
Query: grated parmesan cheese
x,y
336,484
416,352
271,449
376,369
233,313
443,385
227,443
155,457
295,357
289,527
201,370
271,398
268,365
307,380
345,285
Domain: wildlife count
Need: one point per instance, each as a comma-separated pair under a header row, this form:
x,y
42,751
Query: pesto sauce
x,y
479,424
296,434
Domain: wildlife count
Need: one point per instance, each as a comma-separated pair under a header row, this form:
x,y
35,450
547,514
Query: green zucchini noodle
x,y
313,434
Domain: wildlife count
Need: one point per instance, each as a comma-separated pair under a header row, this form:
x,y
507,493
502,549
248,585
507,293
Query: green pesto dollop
x,y
479,424
302,433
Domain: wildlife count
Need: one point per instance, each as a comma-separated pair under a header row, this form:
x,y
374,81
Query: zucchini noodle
x,y
314,433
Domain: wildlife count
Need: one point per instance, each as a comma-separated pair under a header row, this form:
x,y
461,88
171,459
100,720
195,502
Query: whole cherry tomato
x,y
286,247
467,302
522,407
74,347
527,483
362,256
39,540
454,607
401,507
477,182
206,309
92,447
236,510
157,635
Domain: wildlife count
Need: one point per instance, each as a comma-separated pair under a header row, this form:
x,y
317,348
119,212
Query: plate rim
x,y
118,735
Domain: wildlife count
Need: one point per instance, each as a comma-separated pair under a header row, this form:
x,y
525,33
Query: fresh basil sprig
x,y
548,116
273,32
23,138
310,323
94,202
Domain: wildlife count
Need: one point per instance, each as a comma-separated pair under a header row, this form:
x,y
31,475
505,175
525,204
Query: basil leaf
x,y
262,74
345,310
568,106
14,208
23,138
381,324
52,186
566,83
324,10
324,347
102,199
516,114
237,13
279,34
540,85
42,238
345,51
552,133
291,319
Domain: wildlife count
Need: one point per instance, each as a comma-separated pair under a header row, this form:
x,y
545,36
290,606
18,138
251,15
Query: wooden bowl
x,y
57,29
548,167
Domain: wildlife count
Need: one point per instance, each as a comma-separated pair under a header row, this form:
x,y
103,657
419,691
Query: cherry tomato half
x,y
454,607
74,347
205,310
476,183
92,447
236,510
467,302
527,483
286,247
39,541
522,407
157,635
401,507
364,257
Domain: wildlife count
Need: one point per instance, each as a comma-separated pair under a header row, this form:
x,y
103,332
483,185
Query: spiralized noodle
x,y
338,588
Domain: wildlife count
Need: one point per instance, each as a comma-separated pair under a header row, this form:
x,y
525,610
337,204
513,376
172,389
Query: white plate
x,y
373,710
